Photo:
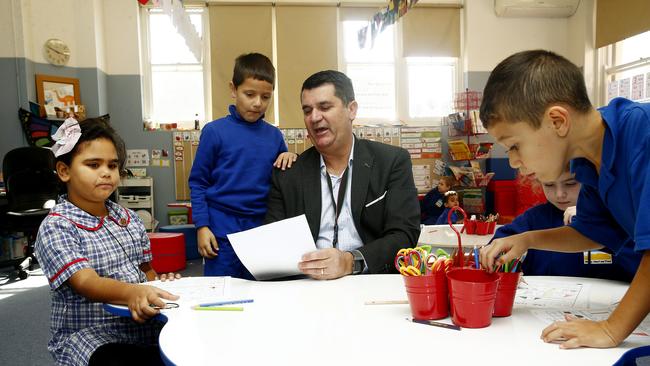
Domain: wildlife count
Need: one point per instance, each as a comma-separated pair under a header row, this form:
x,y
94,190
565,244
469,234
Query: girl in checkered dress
x,y
94,251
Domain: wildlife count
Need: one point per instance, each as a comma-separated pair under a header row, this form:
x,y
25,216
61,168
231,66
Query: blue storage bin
x,y
501,168
189,230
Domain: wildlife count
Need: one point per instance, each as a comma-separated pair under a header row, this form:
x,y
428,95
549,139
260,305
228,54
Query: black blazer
x,y
385,226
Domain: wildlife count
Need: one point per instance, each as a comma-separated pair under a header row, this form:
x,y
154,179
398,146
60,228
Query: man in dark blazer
x,y
358,195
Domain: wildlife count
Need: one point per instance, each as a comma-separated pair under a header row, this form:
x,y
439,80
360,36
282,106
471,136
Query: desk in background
x,y
307,322
442,236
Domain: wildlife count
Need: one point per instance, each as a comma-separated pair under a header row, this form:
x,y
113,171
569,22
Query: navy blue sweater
x,y
232,168
548,263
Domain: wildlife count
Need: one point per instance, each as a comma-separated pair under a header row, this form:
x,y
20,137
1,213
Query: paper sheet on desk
x,y
274,250
195,290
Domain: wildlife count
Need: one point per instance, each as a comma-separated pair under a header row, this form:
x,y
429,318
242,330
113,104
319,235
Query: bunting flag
x,y
181,21
382,19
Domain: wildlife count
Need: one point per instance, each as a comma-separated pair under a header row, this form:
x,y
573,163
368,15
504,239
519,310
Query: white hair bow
x,y
66,137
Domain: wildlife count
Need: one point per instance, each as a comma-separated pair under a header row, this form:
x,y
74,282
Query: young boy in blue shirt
x,y
231,173
433,203
535,104
450,200
562,196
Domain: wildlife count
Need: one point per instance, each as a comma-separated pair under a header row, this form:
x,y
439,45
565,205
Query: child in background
x,y
231,174
562,196
450,200
433,203
535,104
94,251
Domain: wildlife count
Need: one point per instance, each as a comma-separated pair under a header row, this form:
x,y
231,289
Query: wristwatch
x,y
359,263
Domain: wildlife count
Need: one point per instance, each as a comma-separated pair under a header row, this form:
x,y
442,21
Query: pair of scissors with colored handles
x,y
414,261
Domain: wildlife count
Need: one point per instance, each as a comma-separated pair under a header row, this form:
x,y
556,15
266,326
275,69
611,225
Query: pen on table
x,y
218,308
229,302
386,302
435,324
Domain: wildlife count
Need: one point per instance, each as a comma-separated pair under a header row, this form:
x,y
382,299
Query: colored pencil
x,y
229,302
219,308
436,324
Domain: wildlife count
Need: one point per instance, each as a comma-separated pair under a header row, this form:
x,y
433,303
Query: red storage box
x,y
505,196
168,252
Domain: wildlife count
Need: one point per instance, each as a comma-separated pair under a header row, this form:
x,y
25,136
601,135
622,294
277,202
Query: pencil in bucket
x,y
425,279
472,292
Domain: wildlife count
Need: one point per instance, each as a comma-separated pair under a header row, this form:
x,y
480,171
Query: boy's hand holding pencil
x,y
502,251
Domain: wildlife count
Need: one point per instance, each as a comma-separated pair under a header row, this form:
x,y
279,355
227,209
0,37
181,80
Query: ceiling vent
x,y
535,8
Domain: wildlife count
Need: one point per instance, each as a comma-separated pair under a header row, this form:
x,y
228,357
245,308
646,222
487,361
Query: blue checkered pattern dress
x,y
71,239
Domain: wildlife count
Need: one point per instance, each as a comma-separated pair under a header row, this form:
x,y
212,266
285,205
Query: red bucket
x,y
472,293
491,226
506,293
428,295
481,228
470,227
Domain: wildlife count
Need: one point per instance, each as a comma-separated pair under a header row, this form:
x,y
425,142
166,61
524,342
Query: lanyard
x,y
338,204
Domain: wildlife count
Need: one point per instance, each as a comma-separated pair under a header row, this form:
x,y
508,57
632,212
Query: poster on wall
x,y
624,88
612,90
637,87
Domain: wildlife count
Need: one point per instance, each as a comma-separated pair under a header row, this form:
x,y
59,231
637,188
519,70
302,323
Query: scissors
x,y
414,261
168,305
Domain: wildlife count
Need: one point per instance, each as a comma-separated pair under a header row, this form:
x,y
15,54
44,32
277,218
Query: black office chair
x,y
32,187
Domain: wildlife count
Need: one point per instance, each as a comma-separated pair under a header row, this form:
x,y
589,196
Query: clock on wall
x,y
56,52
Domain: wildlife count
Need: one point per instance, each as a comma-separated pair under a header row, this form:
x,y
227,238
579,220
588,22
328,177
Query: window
x,y
390,88
629,76
174,81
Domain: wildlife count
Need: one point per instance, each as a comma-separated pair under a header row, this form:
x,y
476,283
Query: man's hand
x,y
327,264
207,243
285,160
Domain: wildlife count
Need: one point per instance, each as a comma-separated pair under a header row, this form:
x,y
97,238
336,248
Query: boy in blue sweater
x,y
536,104
562,196
231,173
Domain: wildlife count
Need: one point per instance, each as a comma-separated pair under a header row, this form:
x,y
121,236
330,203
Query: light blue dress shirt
x,y
349,238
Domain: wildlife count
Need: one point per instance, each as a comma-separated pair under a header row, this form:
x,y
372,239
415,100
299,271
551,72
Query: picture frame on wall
x,y
57,92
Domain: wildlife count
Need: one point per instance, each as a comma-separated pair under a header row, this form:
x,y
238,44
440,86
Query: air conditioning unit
x,y
535,8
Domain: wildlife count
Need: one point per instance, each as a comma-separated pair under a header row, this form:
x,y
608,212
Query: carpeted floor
x,y
25,316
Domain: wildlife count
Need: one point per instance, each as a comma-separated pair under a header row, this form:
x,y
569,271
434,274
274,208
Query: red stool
x,y
168,252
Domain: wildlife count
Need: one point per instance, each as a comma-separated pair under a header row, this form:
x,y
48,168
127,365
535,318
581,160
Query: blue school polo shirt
x,y
613,206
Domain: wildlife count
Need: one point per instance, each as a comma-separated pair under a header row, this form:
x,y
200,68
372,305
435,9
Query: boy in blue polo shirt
x,y
562,196
450,200
535,103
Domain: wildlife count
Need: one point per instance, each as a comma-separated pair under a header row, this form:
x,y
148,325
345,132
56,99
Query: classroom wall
x,y
104,40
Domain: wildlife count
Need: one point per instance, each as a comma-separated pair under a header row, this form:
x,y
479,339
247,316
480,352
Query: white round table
x,y
308,322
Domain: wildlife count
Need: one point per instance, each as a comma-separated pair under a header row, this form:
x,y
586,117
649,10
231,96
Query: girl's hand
x,y
207,243
145,302
285,160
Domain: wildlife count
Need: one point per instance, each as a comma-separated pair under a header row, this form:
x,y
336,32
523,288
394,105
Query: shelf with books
x,y
465,148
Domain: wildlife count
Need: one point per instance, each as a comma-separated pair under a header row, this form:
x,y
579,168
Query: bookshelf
x,y
466,150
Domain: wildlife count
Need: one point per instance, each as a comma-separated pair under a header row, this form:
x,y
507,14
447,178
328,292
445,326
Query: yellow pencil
x,y
219,308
